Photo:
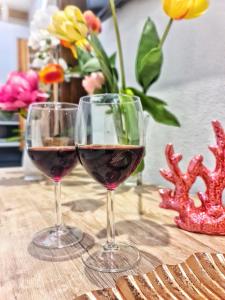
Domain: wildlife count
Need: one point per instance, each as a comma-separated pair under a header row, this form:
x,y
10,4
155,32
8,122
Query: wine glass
x,y
50,141
110,147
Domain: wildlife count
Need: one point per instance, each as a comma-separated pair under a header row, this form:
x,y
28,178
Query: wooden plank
x,y
28,272
80,3
22,54
18,14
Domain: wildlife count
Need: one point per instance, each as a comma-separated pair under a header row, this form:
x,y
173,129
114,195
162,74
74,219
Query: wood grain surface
x,y
200,277
27,272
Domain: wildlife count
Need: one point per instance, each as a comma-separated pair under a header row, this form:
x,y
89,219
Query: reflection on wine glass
x,y
51,145
110,146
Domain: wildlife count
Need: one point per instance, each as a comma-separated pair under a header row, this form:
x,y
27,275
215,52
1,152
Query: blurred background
x,y
15,20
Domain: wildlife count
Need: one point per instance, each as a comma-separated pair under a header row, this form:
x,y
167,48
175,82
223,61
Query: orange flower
x,y
82,44
69,46
92,21
52,73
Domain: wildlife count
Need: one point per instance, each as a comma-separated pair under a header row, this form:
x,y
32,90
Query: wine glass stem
x,y
58,204
110,221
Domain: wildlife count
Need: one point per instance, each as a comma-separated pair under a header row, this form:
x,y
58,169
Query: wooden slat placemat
x,y
27,272
200,277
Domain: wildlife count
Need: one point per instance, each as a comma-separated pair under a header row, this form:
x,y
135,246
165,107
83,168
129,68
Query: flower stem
x,y
166,33
119,46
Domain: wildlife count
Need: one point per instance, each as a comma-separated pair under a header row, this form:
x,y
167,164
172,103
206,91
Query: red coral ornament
x,y
209,217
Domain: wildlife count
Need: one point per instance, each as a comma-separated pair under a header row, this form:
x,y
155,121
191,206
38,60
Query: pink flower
x,y
93,82
20,90
92,21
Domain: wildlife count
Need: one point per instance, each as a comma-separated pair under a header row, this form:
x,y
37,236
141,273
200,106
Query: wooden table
x,y
27,272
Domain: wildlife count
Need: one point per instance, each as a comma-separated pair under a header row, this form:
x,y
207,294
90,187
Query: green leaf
x,y
23,112
150,68
130,117
149,40
92,65
112,59
156,108
105,64
139,168
74,69
83,56
159,112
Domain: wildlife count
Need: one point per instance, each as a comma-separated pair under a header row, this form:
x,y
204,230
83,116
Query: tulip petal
x,y
197,9
71,31
177,9
74,51
70,46
82,29
59,35
58,18
74,14
92,21
69,25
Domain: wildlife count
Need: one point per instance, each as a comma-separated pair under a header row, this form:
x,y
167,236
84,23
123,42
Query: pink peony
x,y
20,90
93,82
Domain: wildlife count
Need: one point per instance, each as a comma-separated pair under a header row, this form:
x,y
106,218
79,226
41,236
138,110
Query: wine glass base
x,y
121,258
54,238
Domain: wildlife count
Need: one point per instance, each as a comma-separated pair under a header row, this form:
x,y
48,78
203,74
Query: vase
x,y
133,180
137,179
30,171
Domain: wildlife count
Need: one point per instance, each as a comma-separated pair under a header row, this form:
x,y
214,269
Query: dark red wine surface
x,y
108,164
55,162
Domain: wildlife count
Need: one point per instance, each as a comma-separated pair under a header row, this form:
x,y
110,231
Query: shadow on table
x,y
84,205
63,254
102,280
141,232
143,188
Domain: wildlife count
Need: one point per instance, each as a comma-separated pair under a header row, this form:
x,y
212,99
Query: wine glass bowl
x,y
110,165
110,146
51,145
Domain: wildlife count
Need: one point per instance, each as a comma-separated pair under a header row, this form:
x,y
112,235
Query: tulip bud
x,y
185,9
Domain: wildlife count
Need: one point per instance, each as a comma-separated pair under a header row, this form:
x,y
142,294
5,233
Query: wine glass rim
x,y
132,98
52,105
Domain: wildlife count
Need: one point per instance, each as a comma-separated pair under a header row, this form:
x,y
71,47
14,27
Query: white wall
x,y
39,4
9,33
192,79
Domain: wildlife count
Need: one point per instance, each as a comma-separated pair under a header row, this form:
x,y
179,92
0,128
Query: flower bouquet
x,y
79,32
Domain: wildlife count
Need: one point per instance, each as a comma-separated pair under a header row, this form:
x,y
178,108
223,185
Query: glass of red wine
x,y
110,147
51,145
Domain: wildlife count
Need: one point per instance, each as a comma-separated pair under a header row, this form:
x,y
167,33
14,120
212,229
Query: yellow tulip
x,y
185,9
69,26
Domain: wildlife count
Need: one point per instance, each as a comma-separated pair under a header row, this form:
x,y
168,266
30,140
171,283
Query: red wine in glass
x,y
54,162
50,143
110,138
110,165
